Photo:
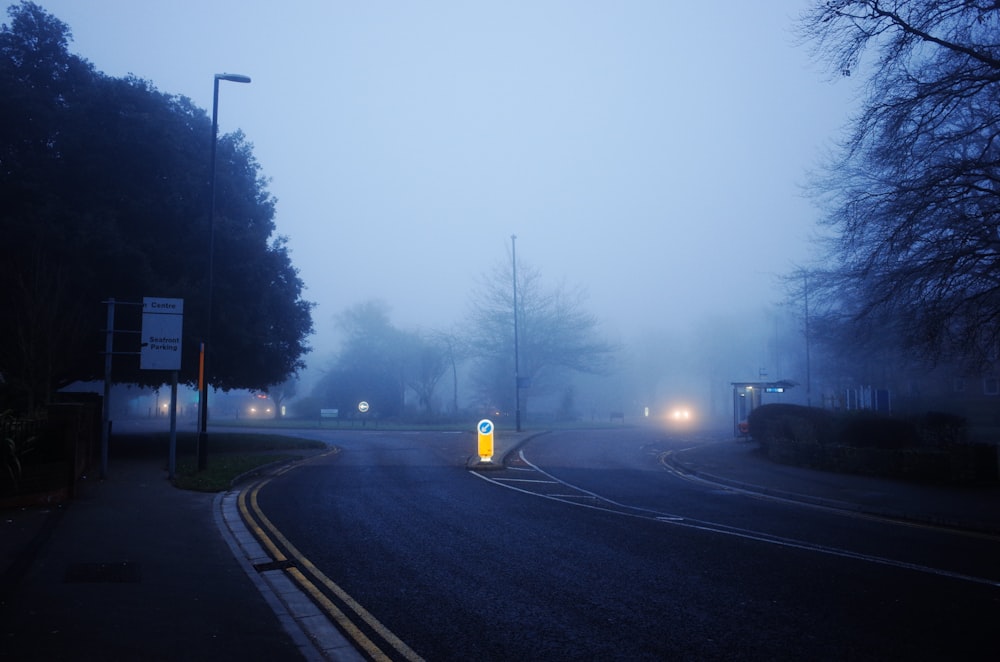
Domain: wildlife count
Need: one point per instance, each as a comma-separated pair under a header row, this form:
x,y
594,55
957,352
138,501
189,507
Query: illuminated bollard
x,y
485,429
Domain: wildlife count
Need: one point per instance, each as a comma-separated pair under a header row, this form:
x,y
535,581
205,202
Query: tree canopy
x,y
912,195
105,183
371,363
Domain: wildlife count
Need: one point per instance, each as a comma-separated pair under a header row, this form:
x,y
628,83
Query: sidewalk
x,y
132,568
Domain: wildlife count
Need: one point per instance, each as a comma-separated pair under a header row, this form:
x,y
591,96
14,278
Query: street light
x,y
517,376
203,364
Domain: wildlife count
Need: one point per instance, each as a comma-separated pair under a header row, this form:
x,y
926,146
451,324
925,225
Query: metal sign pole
x,y
109,341
172,460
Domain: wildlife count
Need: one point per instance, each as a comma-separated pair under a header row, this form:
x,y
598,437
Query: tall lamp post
x,y
203,363
805,291
517,377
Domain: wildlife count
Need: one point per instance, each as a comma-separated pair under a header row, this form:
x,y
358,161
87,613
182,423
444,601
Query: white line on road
x,y
723,529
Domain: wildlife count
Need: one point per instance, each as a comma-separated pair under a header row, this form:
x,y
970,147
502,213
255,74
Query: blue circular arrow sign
x,y
485,427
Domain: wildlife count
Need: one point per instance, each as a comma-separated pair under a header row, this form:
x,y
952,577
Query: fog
x,y
651,152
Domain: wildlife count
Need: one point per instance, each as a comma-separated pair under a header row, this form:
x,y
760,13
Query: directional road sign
x,y
162,326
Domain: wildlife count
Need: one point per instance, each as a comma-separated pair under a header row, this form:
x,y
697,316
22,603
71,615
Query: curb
x,y
313,633
270,467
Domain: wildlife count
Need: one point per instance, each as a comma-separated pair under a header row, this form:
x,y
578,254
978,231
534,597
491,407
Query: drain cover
x,y
273,565
121,572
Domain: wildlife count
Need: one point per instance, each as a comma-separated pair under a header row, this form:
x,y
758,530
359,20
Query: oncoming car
x,y
680,416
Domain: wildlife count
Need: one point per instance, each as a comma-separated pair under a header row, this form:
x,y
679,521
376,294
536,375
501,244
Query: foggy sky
x,y
652,152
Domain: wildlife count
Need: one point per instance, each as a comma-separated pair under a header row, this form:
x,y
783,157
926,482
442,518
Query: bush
x,y
929,448
938,429
791,423
869,430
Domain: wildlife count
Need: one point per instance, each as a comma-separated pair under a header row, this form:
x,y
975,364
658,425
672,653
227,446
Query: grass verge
x,y
221,471
229,455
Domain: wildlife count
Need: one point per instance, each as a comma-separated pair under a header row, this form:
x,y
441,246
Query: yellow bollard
x,y
485,428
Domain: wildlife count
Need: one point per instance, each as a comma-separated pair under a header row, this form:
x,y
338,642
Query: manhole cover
x,y
121,572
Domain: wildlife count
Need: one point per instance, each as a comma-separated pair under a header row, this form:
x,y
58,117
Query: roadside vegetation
x,y
932,447
220,473
103,182
231,455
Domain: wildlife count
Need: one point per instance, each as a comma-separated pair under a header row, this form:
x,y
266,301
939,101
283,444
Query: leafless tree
x,y
912,195
426,359
556,334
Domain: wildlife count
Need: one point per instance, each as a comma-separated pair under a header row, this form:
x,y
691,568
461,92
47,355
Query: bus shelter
x,y
747,396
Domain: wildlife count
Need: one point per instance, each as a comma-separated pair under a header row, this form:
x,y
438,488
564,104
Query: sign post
x,y
109,348
363,408
160,349
485,429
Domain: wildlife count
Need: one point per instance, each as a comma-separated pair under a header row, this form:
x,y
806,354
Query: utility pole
x,y
805,290
517,377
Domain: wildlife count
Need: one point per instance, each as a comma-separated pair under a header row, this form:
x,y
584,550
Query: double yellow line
x,y
298,567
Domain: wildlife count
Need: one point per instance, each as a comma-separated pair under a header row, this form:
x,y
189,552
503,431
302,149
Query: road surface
x,y
588,547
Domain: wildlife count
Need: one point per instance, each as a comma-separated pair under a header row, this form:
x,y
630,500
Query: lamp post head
x,y
235,78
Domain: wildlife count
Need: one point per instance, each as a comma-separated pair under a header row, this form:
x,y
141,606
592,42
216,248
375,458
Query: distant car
x,y
680,416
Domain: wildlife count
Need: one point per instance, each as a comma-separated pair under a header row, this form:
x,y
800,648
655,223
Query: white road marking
x,y
616,508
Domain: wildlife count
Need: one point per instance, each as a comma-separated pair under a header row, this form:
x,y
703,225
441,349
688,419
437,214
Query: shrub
x,y
937,429
17,439
790,422
791,434
931,447
869,430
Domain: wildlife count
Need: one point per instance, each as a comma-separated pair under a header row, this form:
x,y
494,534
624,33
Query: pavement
x,y
133,568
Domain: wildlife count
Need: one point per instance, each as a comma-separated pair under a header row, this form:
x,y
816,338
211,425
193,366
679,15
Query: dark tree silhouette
x,y
913,195
104,183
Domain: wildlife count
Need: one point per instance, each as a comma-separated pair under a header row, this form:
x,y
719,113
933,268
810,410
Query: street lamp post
x,y
517,376
805,291
203,370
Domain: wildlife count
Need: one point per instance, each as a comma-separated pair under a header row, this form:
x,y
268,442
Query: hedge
x,y
928,448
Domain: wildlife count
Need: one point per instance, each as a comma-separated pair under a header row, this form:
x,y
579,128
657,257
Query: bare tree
x,y
555,334
455,350
912,195
425,361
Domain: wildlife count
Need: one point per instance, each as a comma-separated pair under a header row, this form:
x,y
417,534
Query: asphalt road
x,y
589,547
